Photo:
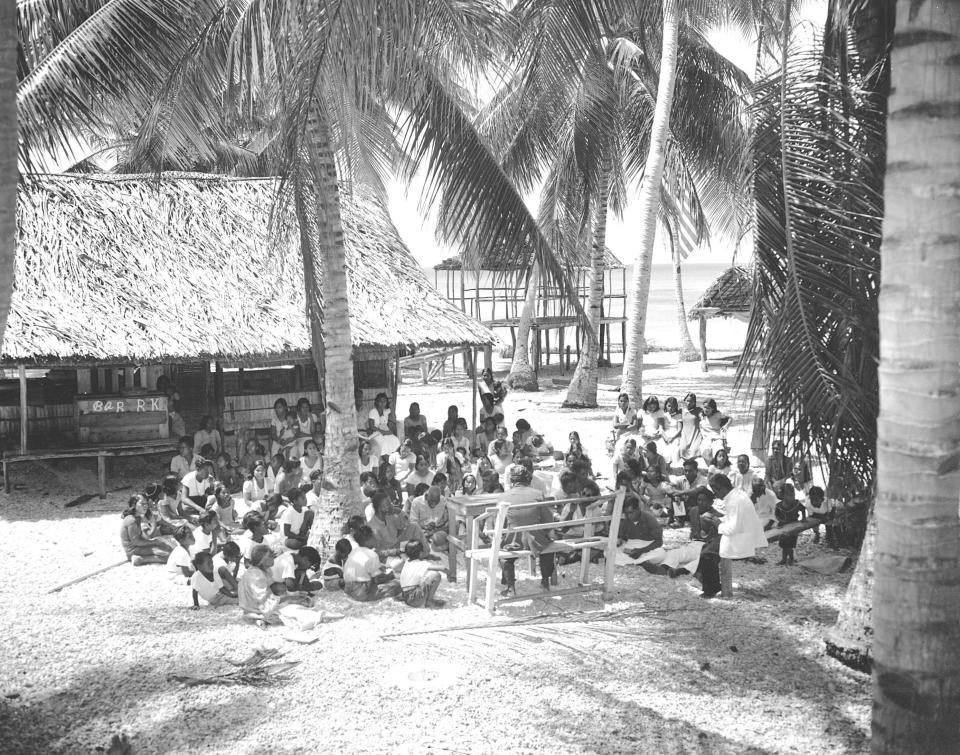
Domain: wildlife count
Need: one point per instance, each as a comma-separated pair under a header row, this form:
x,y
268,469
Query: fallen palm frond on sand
x,y
255,669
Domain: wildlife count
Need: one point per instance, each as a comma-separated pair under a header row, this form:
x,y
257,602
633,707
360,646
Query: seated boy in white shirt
x,y
419,579
180,562
365,579
207,583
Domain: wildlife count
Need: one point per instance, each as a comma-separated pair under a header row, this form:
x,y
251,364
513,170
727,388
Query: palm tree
x,y
916,698
578,107
212,66
8,155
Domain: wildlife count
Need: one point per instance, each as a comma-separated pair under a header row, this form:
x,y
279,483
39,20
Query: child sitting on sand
x,y
207,536
296,570
296,520
139,548
180,563
333,569
208,584
419,579
227,564
365,579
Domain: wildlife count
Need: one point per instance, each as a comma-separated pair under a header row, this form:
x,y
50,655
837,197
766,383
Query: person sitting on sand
x,y
256,488
382,427
227,564
296,520
670,437
720,464
196,486
490,409
403,459
462,438
392,529
691,439
742,477
170,509
185,460
421,474
765,503
684,492
221,503
208,584
653,495
139,548
208,435
333,568
364,578
429,512
469,485
419,579
180,562
542,448
778,468
414,423
628,453
267,602
311,461
208,535
254,533
639,531
297,570
289,478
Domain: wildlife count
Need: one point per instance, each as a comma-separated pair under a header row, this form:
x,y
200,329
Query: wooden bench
x,y
491,555
100,453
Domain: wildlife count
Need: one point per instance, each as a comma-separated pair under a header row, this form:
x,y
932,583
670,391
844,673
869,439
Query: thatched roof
x,y
610,262
730,295
132,269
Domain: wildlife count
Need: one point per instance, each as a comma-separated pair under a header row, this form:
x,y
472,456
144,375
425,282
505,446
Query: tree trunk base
x,y
689,354
522,379
579,405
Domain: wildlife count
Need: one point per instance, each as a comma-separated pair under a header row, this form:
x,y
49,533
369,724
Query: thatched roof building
x,y
730,295
610,262
132,269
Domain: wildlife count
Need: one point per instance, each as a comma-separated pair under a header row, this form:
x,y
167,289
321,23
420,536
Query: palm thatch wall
x,y
137,269
457,262
730,295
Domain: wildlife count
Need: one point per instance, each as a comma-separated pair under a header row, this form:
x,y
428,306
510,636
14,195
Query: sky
x,y
418,231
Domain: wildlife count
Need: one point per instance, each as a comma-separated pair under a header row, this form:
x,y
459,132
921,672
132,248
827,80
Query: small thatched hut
x,y
122,278
730,295
495,296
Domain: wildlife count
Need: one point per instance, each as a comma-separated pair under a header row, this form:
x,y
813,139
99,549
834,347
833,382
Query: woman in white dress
x,y
256,488
624,423
652,420
278,423
672,432
382,427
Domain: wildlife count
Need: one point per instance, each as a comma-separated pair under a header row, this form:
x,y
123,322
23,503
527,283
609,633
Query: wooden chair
x,y
488,558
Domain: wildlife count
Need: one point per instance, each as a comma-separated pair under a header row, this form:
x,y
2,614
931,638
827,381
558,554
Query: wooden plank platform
x,y
100,453
794,528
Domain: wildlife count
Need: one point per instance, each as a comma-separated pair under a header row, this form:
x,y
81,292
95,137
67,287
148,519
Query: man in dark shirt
x,y
638,524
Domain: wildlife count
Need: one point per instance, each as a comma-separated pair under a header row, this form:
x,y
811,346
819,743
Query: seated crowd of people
x,y
236,529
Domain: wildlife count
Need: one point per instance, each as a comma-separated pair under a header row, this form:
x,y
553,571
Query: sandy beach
x,y
665,672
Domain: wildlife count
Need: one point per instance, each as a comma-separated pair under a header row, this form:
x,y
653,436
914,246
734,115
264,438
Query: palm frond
x,y
818,195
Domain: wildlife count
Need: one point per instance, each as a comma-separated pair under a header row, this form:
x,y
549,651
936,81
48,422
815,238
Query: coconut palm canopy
x,y
730,295
132,268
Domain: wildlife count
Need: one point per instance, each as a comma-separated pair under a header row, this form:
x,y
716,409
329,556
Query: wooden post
x,y
218,393
703,343
22,372
488,356
536,349
546,337
568,358
610,555
560,349
128,373
83,381
473,415
102,474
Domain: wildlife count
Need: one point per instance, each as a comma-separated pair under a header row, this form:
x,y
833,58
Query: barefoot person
x,y
139,548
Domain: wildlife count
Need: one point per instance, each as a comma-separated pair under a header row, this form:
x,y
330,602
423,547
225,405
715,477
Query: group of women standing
x,y
679,433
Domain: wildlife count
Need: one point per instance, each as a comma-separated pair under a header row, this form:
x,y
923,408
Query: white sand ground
x,y
671,674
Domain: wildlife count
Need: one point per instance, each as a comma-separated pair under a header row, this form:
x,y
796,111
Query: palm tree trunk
x,y
8,155
583,386
632,382
688,352
916,694
850,640
522,377
331,338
